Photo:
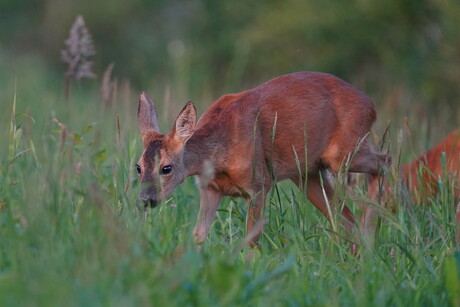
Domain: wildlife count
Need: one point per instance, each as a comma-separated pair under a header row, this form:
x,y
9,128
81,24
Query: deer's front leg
x,y
209,201
254,221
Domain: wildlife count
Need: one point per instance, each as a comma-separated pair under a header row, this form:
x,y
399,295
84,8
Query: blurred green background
x,y
69,230
403,53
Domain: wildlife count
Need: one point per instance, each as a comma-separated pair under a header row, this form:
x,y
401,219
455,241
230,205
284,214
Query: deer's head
x,y
161,167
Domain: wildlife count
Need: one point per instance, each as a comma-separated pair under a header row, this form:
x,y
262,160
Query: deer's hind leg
x,y
368,160
324,201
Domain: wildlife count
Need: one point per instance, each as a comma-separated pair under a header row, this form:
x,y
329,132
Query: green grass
x,y
71,232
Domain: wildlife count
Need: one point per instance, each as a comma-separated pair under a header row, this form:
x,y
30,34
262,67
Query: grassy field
x,y
71,232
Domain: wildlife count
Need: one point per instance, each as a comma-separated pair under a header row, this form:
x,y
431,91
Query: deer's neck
x,y
200,152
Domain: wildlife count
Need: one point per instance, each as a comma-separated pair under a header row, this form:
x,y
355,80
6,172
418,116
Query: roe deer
x,y
429,167
245,142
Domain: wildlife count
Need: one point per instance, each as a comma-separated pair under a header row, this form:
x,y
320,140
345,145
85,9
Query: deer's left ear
x,y
185,123
147,115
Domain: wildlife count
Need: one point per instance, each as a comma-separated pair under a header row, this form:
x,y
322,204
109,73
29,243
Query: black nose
x,y
150,203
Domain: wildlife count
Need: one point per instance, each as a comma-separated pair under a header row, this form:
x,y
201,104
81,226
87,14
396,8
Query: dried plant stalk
x,y
79,47
108,87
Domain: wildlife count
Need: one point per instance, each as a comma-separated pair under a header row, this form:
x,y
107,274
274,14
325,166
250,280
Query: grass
x,y
71,232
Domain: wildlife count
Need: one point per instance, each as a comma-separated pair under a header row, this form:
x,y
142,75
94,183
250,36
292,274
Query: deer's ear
x,y
147,115
185,123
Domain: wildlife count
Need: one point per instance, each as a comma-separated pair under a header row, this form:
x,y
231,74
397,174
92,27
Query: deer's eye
x,y
165,170
138,168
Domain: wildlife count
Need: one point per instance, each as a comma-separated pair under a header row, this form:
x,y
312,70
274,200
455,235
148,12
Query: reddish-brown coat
x,y
429,165
247,141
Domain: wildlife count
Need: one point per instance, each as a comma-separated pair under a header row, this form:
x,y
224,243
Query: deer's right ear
x,y
185,123
147,115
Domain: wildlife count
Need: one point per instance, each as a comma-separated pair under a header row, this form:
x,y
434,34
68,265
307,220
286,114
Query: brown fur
x,y
429,166
255,138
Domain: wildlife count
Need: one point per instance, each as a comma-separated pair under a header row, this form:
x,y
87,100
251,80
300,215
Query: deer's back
x,y
286,115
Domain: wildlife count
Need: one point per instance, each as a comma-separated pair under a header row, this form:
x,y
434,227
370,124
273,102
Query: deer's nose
x,y
152,203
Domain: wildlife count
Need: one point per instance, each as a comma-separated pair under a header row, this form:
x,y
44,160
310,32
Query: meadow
x,y
72,231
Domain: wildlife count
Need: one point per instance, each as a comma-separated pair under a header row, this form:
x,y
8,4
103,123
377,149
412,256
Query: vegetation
x,y
71,229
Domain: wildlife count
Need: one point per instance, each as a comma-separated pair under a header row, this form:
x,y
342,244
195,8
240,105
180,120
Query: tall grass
x,y
72,233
